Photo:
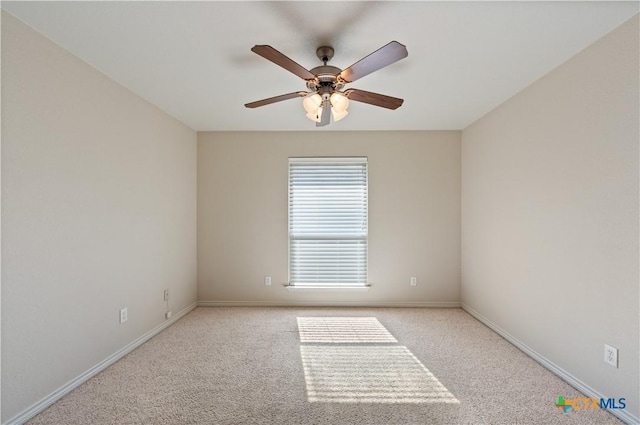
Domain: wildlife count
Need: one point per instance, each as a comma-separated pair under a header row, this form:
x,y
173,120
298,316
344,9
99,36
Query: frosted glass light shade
x,y
311,103
315,116
339,102
337,116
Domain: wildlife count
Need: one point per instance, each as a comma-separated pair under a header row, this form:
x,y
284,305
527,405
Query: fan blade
x,y
275,99
326,114
374,98
386,55
271,54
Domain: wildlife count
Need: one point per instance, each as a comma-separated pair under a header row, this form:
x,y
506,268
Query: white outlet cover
x,y
123,315
267,280
611,355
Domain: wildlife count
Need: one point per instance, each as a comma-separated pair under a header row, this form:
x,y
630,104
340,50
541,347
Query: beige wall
x,y
550,215
414,215
98,213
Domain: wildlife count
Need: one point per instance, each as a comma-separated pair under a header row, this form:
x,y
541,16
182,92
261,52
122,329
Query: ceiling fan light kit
x,y
325,97
313,104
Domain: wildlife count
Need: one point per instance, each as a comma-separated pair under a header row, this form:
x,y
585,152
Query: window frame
x,y
320,285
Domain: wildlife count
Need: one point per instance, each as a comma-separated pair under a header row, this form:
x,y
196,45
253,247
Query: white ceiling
x,y
193,59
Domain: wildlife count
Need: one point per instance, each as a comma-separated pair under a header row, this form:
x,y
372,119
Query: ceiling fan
x,y
325,82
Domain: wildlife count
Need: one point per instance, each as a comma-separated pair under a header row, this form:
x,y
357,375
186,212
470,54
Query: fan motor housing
x,y
326,72
326,75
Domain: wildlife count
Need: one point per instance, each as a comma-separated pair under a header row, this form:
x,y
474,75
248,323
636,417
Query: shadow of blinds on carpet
x,y
352,360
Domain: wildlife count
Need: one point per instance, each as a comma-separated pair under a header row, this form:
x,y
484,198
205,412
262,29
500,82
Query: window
x,y
328,222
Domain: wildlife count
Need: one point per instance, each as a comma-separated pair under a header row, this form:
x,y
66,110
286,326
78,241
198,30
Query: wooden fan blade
x,y
326,114
275,99
374,98
271,54
386,55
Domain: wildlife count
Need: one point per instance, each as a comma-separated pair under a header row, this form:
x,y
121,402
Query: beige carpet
x,y
323,366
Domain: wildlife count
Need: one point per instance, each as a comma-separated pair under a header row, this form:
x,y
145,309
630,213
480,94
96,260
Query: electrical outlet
x,y
267,280
611,355
167,315
414,281
166,295
123,315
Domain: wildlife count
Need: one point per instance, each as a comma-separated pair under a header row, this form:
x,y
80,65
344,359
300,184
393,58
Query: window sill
x,y
342,288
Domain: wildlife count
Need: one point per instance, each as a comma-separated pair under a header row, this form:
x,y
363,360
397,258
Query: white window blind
x,y
328,221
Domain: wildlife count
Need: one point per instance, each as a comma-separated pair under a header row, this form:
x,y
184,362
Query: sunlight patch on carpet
x,y
343,330
369,374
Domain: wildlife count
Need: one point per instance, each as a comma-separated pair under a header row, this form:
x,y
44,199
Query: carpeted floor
x,y
323,366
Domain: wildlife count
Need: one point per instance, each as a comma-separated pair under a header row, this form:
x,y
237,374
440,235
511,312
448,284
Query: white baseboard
x,y
41,405
443,304
623,415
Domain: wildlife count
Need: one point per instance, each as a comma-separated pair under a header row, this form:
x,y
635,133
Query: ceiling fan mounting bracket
x,y
324,53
